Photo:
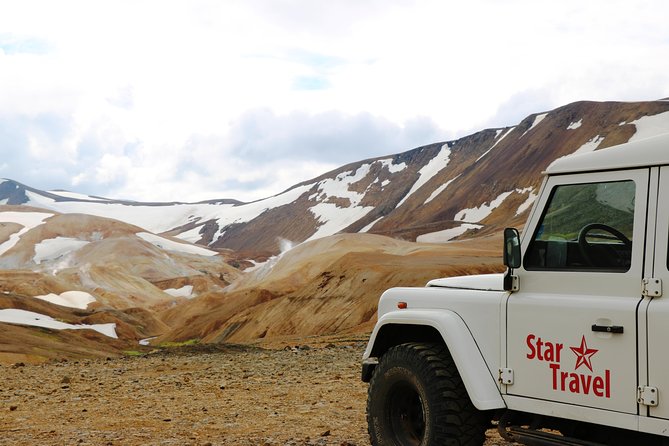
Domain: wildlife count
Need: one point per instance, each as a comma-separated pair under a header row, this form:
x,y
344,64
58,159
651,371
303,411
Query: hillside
x,y
324,286
76,285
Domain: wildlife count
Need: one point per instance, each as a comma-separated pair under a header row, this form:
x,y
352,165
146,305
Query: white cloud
x,y
141,81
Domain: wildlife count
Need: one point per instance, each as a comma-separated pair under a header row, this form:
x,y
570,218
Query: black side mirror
x,y
512,256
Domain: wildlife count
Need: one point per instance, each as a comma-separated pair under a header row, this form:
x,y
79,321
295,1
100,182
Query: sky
x,y
192,100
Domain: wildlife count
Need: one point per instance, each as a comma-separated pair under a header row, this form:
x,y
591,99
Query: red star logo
x,y
583,354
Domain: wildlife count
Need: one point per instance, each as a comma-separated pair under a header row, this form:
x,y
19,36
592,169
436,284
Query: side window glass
x,y
585,227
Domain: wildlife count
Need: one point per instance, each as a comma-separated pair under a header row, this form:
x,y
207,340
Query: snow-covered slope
x,y
29,318
102,262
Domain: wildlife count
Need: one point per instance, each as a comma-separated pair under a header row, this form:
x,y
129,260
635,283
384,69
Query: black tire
x,y
416,397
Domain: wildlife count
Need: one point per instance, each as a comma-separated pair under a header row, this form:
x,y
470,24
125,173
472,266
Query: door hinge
x,y
651,287
648,396
505,376
511,283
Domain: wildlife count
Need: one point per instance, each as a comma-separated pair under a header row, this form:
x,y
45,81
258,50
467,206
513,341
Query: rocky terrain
x,y
299,392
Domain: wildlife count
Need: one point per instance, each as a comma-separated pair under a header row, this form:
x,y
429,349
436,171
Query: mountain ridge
x,y
454,188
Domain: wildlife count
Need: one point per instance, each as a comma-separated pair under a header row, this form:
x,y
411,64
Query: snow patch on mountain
x,y
591,145
171,245
475,215
536,122
369,226
575,125
192,235
393,168
648,126
433,167
75,195
261,269
22,317
439,190
28,220
53,248
447,234
496,142
338,187
72,299
531,198
185,291
334,218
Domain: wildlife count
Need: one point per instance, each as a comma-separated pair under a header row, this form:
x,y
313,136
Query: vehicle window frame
x,y
585,268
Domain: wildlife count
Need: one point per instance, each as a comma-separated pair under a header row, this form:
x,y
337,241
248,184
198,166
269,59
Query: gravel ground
x,y
201,395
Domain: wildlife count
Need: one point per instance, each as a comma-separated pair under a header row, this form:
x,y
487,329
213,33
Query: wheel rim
x,y
407,414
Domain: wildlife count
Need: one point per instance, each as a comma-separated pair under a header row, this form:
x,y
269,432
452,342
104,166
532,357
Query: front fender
x,y
480,384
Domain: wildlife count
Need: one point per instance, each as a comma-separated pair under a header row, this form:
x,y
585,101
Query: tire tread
x,y
456,421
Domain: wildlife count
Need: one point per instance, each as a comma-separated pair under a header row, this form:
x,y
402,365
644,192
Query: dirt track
x,y
202,395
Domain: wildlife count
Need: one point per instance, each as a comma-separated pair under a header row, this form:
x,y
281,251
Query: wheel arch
x,y
444,327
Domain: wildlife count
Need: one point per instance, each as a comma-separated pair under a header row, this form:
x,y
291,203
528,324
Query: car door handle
x,y
608,328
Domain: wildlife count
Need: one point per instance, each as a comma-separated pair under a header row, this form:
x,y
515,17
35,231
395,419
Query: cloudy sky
x,y
192,100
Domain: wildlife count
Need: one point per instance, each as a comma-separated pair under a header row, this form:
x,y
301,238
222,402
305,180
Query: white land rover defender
x,y
569,347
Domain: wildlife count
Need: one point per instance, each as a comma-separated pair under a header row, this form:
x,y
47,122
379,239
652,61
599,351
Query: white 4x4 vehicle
x,y
569,347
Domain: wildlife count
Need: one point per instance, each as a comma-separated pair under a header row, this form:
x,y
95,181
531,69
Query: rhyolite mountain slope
x,y
324,286
74,285
475,184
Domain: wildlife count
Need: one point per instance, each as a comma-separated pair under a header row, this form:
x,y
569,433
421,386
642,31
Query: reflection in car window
x,y
585,226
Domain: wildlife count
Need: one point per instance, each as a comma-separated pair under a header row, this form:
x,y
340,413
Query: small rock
x,y
13,408
326,433
65,380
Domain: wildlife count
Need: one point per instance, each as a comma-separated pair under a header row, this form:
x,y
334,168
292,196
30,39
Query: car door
x,y
571,326
657,313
